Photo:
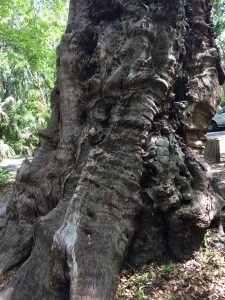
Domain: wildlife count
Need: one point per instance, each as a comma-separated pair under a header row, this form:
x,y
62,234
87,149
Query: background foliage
x,y
219,25
30,31
218,14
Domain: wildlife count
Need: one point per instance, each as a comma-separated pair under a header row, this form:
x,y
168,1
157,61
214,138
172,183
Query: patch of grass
x,y
4,175
201,276
166,270
139,295
142,277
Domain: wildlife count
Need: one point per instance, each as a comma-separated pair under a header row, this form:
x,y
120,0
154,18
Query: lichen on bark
x,y
116,177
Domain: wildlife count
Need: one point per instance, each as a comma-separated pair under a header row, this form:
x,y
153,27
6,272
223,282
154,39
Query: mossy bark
x,y
117,176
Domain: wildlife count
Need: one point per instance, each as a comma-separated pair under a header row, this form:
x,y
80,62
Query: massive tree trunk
x,y
117,176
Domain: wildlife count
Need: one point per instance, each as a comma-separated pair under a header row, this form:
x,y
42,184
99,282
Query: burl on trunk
x,y
116,176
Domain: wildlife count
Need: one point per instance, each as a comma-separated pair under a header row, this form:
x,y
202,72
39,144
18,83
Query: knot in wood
x,y
92,132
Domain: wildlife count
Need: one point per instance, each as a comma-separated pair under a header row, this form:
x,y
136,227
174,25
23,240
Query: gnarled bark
x,y
116,176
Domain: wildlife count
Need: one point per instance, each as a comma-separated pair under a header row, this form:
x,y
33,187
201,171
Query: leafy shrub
x,y
29,32
5,150
143,277
166,270
19,135
139,295
4,175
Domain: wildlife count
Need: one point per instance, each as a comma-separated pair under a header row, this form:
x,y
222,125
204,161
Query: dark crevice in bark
x,y
105,13
148,242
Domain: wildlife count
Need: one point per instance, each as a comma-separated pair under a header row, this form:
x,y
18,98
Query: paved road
x,y
218,135
13,164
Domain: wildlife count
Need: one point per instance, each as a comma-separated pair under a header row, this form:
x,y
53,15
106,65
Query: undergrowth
x,y
4,175
200,278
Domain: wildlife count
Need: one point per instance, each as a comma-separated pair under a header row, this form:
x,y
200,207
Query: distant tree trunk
x,y
116,176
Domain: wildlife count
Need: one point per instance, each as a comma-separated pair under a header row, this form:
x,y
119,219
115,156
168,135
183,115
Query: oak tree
x,y
117,176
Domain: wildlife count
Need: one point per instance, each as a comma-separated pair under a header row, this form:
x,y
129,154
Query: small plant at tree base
x,y
140,295
4,175
166,270
207,239
141,278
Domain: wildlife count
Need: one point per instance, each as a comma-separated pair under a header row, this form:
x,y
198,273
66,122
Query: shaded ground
x,y
201,278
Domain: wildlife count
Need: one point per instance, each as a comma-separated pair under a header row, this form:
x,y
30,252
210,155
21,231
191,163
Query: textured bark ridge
x,y
116,176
